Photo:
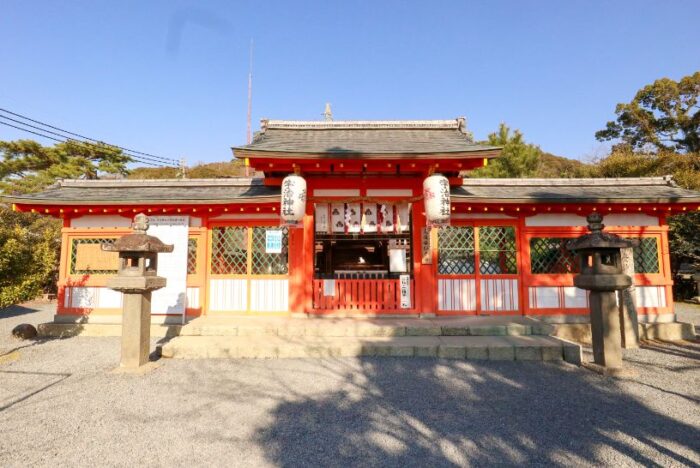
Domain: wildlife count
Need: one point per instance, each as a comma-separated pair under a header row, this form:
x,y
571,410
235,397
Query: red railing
x,y
361,295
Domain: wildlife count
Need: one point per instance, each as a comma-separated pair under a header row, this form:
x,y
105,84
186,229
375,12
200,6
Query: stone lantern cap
x,y
138,241
597,239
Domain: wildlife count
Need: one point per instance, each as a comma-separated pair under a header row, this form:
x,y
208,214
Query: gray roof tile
x,y
352,138
217,191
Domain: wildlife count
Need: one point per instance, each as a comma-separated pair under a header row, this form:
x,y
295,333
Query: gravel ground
x,y
690,313
60,403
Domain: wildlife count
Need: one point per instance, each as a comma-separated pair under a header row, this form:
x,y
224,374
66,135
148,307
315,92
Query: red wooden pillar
x,y
296,270
425,280
306,258
523,253
666,263
63,268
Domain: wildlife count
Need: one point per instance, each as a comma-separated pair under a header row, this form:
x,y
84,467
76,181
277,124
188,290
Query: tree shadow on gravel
x,y
429,412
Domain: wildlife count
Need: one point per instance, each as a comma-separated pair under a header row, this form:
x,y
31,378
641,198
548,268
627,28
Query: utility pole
x,y
250,94
249,137
182,169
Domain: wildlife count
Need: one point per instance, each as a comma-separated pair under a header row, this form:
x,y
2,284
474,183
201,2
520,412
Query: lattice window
x,y
646,255
456,250
264,263
88,258
229,253
549,255
192,256
497,255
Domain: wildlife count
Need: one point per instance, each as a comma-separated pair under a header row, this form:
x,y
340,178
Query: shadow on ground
x,y
16,311
451,413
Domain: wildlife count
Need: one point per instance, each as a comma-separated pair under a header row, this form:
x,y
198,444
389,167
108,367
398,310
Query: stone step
x,y
350,328
508,348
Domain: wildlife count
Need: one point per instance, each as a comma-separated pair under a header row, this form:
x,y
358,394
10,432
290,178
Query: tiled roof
x,y
220,191
350,138
638,189
156,191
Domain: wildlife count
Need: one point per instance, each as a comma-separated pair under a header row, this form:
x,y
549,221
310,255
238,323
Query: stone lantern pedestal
x,y
601,274
136,280
696,278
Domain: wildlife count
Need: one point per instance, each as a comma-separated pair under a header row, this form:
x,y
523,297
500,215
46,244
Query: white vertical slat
x,y
650,296
499,294
456,297
269,295
546,297
441,296
457,294
575,298
192,298
228,295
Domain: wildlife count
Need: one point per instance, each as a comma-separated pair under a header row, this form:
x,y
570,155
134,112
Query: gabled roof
x,y
246,190
351,138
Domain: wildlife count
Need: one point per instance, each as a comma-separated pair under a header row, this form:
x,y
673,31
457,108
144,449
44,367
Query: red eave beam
x,y
72,211
531,209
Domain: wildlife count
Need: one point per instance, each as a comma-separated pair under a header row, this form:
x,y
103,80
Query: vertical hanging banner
x,y
405,290
369,217
322,218
402,217
172,299
386,213
293,200
353,216
426,247
338,217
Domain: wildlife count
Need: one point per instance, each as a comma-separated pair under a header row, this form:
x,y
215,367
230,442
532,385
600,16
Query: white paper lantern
x,y
293,202
436,195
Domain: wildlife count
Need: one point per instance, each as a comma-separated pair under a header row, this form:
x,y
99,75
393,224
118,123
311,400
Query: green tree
x,y
27,166
29,243
216,170
684,232
518,158
664,115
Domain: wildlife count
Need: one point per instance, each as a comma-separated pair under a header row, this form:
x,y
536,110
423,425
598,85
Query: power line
x,y
130,156
149,156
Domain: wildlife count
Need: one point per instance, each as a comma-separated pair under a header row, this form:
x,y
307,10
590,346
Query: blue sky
x,y
170,77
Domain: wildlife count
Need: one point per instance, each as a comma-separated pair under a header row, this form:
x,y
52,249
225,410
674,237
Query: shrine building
x,y
360,218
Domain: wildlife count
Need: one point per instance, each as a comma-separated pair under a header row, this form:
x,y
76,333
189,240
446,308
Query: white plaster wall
x,y
113,221
389,192
245,216
481,216
568,219
100,221
337,192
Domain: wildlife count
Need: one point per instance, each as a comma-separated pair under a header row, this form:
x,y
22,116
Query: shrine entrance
x,y
478,269
363,258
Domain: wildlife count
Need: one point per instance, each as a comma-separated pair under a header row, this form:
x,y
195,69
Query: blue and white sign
x,y
273,241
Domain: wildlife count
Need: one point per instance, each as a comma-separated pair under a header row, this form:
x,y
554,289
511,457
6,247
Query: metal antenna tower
x,y
250,94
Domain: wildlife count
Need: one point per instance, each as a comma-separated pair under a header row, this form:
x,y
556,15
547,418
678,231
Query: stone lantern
x,y
601,273
696,278
136,279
